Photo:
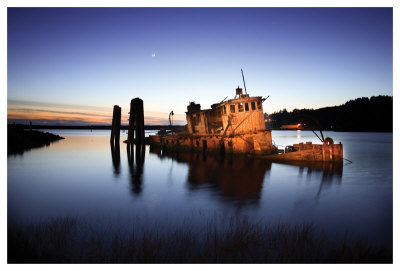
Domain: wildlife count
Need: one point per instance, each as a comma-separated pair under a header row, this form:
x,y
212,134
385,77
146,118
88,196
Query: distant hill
x,y
373,114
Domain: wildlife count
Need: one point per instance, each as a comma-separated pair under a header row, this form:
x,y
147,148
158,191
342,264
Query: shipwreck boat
x,y
238,126
234,126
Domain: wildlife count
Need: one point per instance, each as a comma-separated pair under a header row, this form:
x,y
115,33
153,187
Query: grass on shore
x,y
69,240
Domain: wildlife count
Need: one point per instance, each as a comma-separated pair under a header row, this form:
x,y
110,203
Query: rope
x,y
350,162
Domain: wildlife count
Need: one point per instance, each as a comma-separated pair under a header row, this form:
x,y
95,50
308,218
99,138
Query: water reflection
x,y
238,178
136,171
116,157
58,181
330,172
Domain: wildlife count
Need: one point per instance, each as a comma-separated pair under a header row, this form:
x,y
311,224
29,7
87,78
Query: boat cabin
x,y
241,115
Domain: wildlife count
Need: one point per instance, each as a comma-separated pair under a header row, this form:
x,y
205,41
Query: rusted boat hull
x,y
326,152
250,143
256,144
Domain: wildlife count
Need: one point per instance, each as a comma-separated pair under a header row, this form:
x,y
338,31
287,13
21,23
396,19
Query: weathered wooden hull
x,y
326,152
251,143
259,143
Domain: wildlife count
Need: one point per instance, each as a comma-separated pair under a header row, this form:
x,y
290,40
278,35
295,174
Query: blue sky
x,y
85,60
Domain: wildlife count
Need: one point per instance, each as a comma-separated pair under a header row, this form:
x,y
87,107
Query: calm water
x,y
80,176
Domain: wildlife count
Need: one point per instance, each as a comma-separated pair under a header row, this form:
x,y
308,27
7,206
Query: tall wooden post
x,y
136,122
116,125
136,136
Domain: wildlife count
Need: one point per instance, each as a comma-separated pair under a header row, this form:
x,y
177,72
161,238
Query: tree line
x,y
364,114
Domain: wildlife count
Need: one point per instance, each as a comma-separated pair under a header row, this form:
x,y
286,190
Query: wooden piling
x,y
136,122
116,125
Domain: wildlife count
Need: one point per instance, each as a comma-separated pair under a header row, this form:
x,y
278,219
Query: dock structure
x,y
116,125
136,122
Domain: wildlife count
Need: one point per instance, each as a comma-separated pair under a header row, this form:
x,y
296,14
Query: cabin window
x,y
224,110
240,107
232,108
253,106
246,106
259,104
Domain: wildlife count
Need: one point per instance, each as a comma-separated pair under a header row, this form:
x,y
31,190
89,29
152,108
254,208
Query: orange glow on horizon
x,y
67,115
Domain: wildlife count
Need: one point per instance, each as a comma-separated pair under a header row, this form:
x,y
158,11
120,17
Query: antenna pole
x,y
244,83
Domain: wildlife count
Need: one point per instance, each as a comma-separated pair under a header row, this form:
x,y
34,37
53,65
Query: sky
x,y
72,65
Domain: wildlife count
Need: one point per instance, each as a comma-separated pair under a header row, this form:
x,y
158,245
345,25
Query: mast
x,y
244,83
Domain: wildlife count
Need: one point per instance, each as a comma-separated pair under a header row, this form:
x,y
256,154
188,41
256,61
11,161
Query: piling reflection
x,y
136,152
116,157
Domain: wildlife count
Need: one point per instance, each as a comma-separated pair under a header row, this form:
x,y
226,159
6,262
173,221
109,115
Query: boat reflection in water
x,y
238,177
331,173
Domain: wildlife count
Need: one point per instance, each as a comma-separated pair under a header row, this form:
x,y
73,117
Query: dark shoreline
x,y
20,140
